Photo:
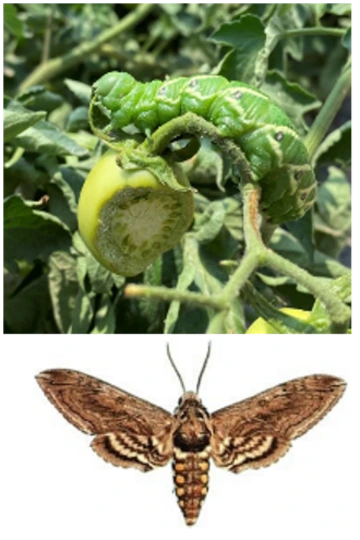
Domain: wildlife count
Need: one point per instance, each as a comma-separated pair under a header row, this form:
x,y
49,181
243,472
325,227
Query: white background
x,y
57,488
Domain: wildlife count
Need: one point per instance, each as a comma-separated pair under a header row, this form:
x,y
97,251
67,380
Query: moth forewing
x,y
131,432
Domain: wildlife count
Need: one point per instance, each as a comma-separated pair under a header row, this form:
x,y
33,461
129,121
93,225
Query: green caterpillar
x,y
277,156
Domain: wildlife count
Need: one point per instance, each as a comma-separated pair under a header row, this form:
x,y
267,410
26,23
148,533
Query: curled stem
x,y
192,124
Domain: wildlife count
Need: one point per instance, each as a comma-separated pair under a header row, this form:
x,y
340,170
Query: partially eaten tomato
x,y
128,218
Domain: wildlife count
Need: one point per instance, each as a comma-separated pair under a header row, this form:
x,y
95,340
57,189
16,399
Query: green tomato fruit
x,y
128,218
260,326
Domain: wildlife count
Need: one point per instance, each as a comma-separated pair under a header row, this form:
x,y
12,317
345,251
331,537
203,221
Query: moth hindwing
x,y
131,432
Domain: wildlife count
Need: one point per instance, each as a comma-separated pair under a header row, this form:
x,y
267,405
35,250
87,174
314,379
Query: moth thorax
x,y
191,477
193,431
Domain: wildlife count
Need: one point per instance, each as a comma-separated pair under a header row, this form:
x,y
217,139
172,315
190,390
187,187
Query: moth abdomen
x,y
191,481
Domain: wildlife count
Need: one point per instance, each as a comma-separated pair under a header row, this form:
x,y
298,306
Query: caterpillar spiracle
x,y
278,158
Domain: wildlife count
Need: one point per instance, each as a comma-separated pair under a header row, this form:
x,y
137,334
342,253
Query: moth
x,y
277,156
131,432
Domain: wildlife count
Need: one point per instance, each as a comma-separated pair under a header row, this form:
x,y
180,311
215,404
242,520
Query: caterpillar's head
x,y
116,83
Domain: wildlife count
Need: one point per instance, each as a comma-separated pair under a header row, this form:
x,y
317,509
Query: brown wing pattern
x,y
257,431
131,432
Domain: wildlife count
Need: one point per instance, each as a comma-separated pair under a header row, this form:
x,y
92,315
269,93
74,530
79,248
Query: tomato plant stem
x,y
315,31
328,112
163,293
47,36
254,245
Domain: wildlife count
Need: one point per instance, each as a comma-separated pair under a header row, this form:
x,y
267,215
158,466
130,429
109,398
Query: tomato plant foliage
x,y
294,53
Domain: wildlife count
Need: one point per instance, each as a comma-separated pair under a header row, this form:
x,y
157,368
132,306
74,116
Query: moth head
x,y
188,399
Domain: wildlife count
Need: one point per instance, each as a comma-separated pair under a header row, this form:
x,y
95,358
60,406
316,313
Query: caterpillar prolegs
x,y
277,156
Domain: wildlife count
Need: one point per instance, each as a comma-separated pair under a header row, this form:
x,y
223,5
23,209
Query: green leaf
x,y
39,98
28,310
247,38
81,90
334,201
210,222
302,229
234,218
294,100
12,22
78,119
83,313
201,272
324,265
346,40
336,148
281,322
184,281
15,123
333,219
64,191
284,243
342,289
286,17
101,280
154,311
64,287
340,9
105,317
46,138
171,9
31,234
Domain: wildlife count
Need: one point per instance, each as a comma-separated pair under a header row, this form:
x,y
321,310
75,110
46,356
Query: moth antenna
x,y
203,367
175,368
